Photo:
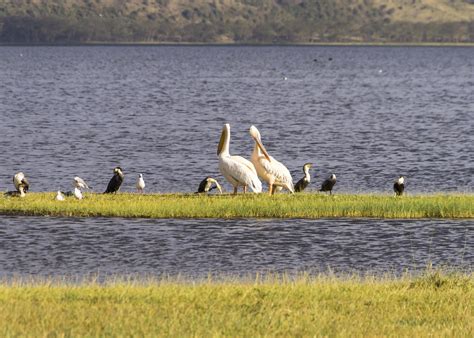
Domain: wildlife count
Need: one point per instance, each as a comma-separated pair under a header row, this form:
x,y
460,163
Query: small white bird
x,y
80,183
59,196
77,193
140,183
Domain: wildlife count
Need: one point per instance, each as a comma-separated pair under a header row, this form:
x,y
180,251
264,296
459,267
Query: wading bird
x,y
328,184
21,184
304,182
140,184
399,186
236,169
269,169
115,181
208,184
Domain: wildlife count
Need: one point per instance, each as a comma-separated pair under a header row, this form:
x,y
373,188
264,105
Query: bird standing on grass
x,y
236,169
328,184
140,184
115,181
268,168
59,196
208,184
399,186
77,193
304,182
21,184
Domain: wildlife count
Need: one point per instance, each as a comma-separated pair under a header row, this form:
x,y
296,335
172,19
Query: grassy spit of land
x,y
304,205
434,304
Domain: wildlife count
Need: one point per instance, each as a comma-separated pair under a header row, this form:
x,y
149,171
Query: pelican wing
x,y
235,171
246,163
277,169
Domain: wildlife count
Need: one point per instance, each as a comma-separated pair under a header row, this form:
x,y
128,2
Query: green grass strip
x,y
434,304
305,205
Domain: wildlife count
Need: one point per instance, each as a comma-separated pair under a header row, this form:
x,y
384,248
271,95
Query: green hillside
x,y
239,21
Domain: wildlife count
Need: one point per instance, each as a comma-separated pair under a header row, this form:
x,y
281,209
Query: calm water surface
x,y
368,115
80,246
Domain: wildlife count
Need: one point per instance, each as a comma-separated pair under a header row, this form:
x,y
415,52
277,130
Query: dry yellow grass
x,y
431,305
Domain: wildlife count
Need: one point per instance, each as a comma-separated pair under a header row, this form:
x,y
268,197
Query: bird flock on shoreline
x,y
237,170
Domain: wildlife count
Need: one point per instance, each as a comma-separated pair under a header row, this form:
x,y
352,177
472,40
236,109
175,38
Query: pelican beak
x,y
222,141
262,148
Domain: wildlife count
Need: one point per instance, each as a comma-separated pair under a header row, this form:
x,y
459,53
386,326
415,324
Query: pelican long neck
x,y
224,142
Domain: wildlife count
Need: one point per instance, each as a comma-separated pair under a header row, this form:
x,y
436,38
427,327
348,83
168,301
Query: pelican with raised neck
x,y
236,169
268,168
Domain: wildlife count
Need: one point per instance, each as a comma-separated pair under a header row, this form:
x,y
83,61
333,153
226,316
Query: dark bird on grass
x,y
328,184
208,184
21,184
115,181
304,182
399,186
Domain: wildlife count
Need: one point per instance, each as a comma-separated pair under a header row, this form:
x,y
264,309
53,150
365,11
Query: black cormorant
x,y
399,186
328,184
115,181
208,184
304,182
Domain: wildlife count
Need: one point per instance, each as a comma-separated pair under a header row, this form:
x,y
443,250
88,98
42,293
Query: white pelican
x,y
21,183
328,184
399,186
269,169
236,169
115,182
209,184
140,183
304,182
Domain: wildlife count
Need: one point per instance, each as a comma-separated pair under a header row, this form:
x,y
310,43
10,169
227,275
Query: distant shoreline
x,y
236,44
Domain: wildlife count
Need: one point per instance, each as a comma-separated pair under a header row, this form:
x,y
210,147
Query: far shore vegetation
x,y
237,21
432,304
302,205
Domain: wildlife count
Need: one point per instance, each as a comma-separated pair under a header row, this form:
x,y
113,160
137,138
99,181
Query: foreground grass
x,y
431,305
306,205
250,205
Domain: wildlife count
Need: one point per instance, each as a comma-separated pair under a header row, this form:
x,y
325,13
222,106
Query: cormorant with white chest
x,y
304,182
399,186
115,181
328,184
208,184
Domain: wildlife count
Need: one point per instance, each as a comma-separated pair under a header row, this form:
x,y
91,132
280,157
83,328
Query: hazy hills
x,y
241,21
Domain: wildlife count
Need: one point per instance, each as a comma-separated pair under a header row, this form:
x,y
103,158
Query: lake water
x,y
45,246
367,114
